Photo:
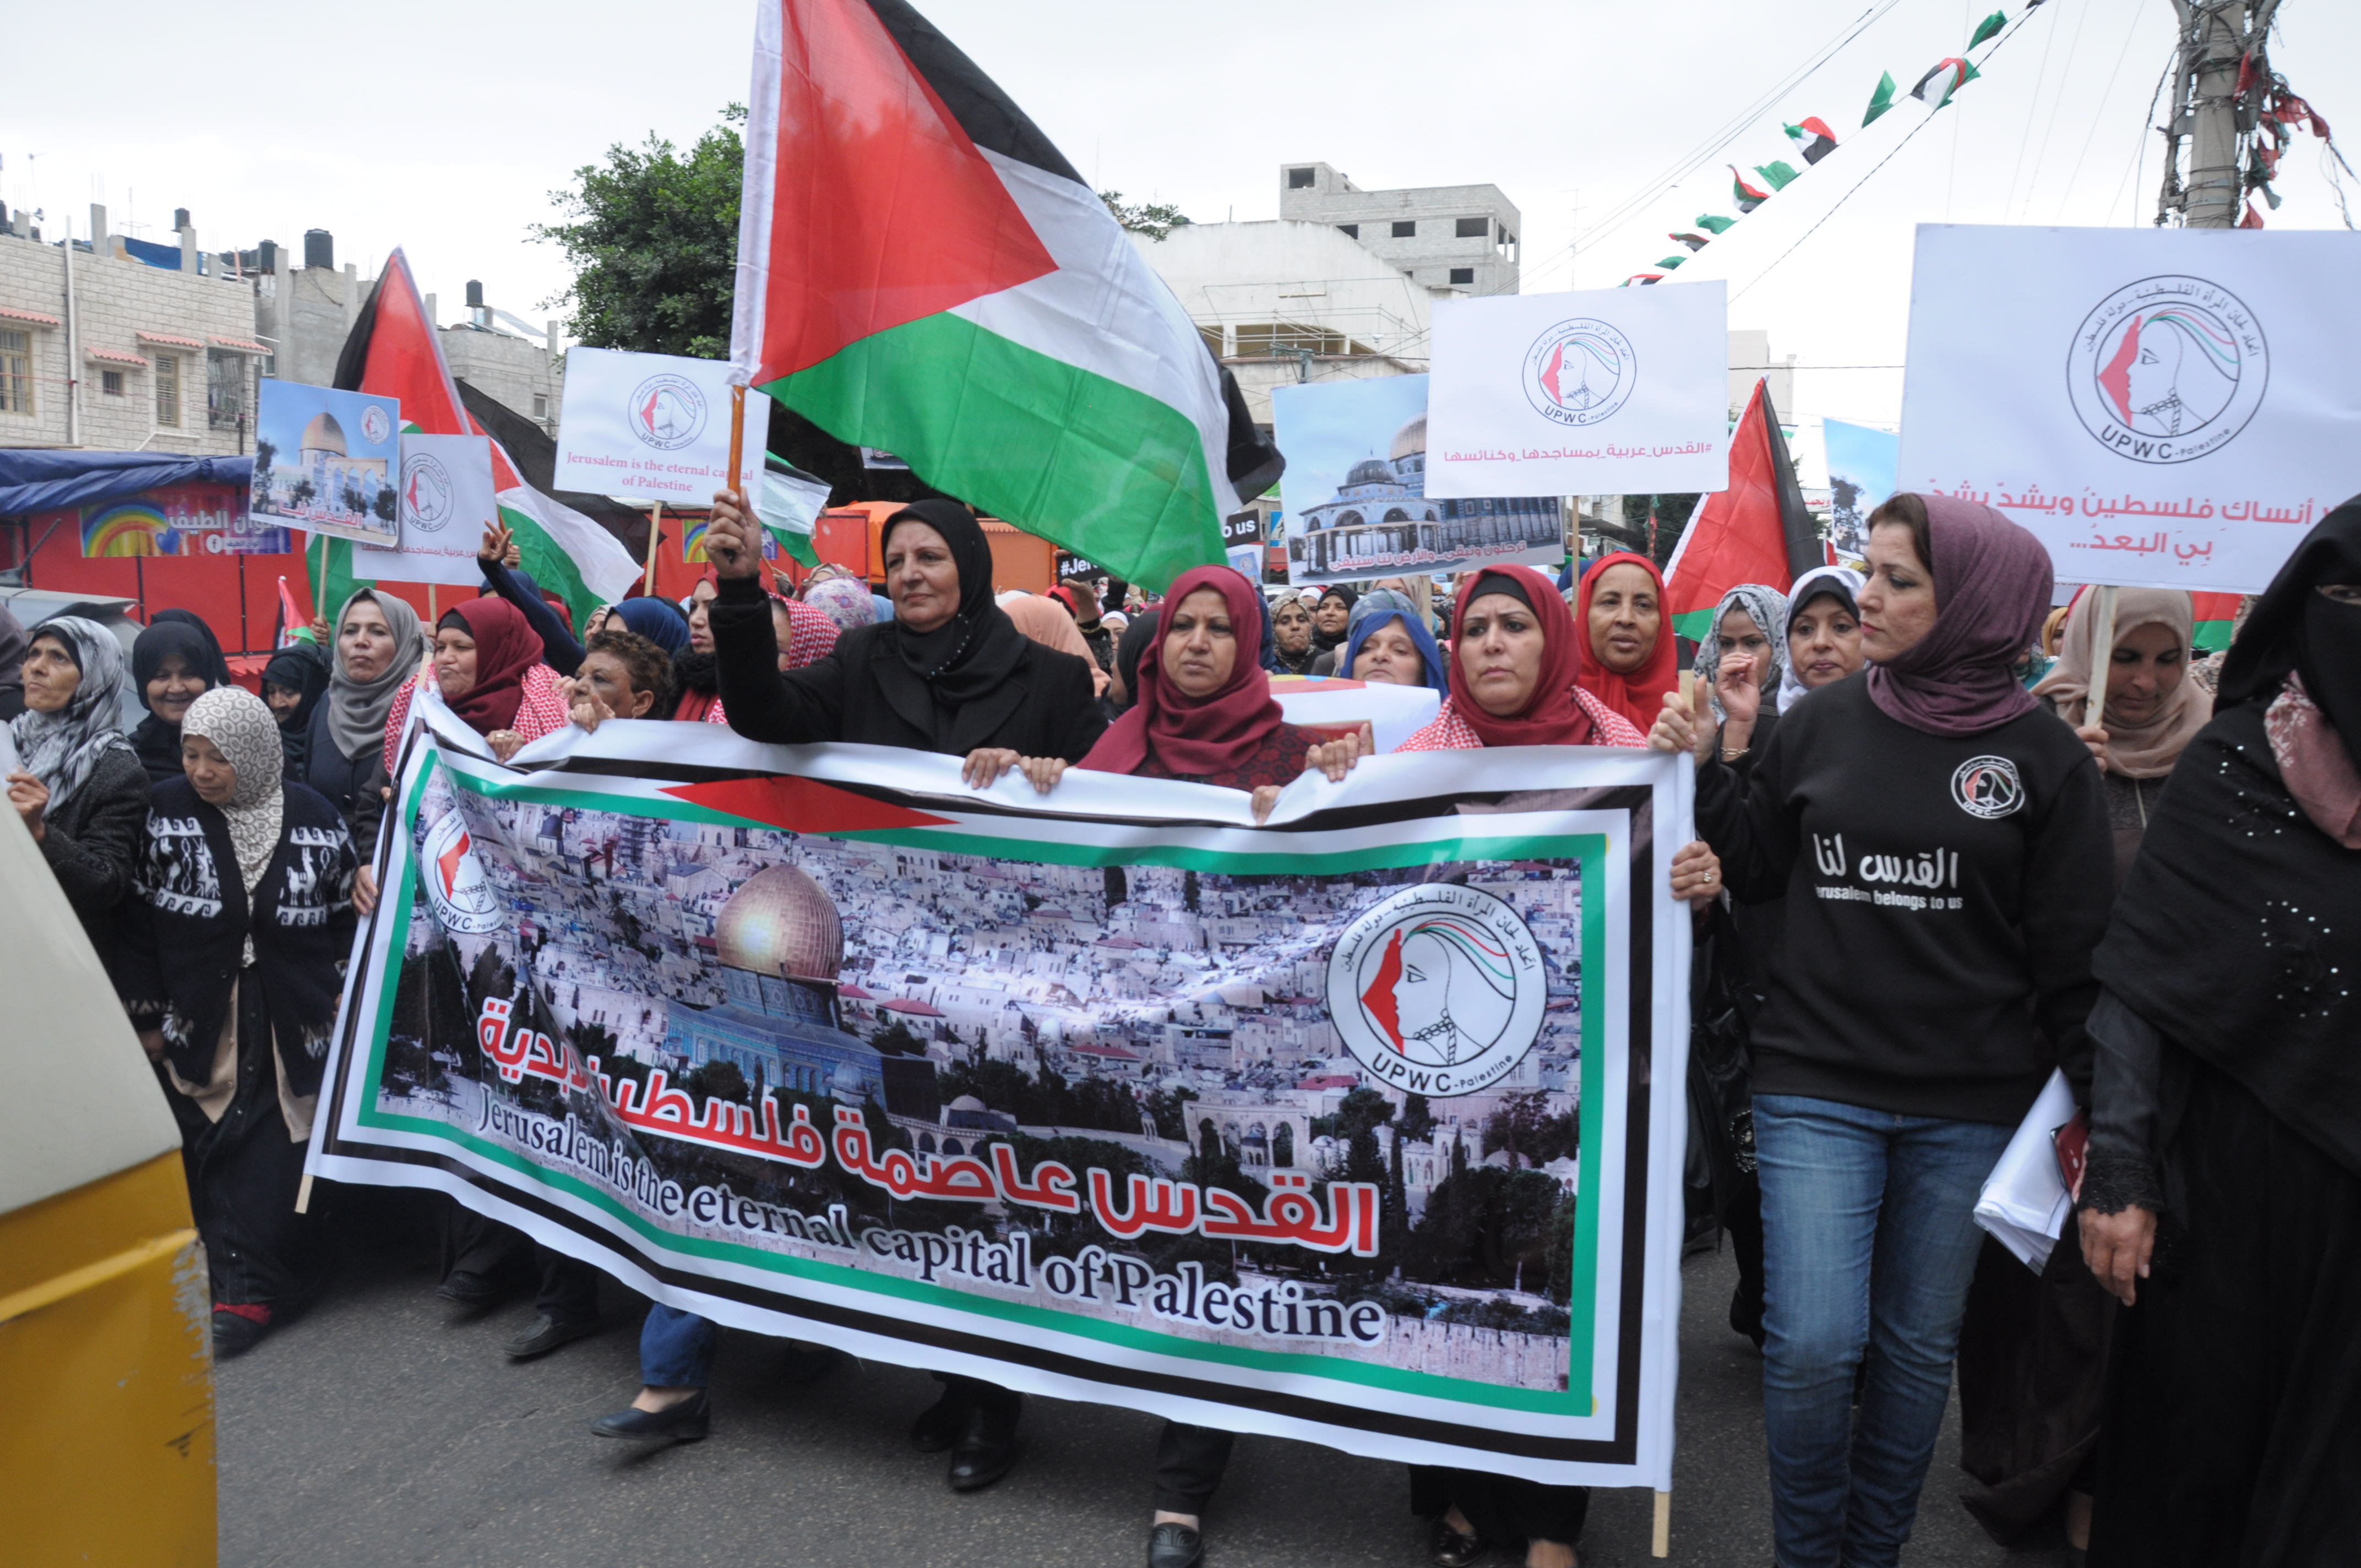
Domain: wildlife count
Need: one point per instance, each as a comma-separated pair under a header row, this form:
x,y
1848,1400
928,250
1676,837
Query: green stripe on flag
x,y
1695,624
1108,472
2211,636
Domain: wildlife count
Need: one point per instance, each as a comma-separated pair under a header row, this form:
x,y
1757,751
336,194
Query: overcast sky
x,y
444,126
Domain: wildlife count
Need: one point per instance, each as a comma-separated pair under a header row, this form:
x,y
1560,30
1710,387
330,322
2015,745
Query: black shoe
x,y
235,1334
987,1446
1746,1314
466,1288
1175,1546
547,1333
683,1422
1457,1549
939,1425
807,1364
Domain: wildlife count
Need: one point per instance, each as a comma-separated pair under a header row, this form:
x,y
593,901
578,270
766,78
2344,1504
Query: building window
x,y
110,382
1463,275
1300,178
1472,228
541,405
16,371
1350,231
225,392
1405,228
167,390
1212,336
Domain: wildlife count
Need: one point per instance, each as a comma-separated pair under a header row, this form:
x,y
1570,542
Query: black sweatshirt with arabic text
x,y
1942,896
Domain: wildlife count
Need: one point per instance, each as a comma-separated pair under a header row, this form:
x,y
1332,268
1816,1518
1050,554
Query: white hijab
x,y
1818,580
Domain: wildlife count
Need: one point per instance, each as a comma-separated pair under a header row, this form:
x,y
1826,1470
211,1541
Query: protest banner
x,y
1357,515
2164,408
651,427
325,461
1354,1128
445,503
196,519
1614,391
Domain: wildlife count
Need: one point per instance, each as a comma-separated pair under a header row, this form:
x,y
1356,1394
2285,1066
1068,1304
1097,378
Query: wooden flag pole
x,y
2102,657
1661,1545
433,615
738,461
655,534
320,594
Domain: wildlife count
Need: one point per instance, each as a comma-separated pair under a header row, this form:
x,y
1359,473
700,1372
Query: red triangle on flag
x,y
802,806
882,210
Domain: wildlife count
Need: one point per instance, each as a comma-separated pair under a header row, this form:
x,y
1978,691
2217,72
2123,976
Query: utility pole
x,y
2221,42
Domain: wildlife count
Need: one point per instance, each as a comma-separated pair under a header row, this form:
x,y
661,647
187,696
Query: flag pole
x,y
738,455
655,532
321,593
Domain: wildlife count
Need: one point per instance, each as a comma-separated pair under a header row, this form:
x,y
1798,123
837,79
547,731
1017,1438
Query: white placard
x,y
446,500
1605,390
2164,408
651,427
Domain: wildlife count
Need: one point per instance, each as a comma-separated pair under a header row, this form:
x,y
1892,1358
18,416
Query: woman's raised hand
x,y
495,545
2095,736
1696,874
730,542
1738,683
583,706
1677,728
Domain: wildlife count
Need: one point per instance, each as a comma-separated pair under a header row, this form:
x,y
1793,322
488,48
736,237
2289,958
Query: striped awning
x,y
10,312
169,339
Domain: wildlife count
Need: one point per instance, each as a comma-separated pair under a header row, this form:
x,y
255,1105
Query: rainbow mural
x,y
178,519
692,544
127,528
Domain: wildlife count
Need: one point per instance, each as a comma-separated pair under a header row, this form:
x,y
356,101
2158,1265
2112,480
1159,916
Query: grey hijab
x,y
1768,608
356,709
62,748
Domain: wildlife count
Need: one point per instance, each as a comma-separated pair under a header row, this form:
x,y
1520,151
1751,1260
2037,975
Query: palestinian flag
x,y
1669,262
1988,26
1756,531
1748,197
1693,241
1643,279
1947,78
1714,224
2215,615
1880,100
1780,175
392,352
1814,138
919,270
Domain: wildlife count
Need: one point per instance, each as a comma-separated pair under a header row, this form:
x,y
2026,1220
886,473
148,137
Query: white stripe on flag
x,y
753,278
607,568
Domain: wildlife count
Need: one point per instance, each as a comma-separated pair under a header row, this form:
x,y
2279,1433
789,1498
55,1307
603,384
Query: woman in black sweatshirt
x,y
1939,842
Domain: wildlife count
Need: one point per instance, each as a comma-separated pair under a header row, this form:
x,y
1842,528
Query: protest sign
x,y
444,502
653,427
1860,475
326,460
194,519
1353,1129
2164,408
1614,391
1357,496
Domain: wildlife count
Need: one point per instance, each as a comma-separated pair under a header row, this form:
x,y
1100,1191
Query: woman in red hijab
x,y
1631,658
488,668
1518,676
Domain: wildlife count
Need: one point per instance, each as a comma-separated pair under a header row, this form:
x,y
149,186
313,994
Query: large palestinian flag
x,y
1756,531
918,269
393,351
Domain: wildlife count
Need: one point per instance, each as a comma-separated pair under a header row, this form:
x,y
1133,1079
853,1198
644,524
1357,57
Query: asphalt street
x,y
382,1429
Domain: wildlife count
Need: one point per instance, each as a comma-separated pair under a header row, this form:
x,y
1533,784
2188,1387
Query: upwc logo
x,y
464,898
2167,369
427,493
1580,371
666,411
1438,991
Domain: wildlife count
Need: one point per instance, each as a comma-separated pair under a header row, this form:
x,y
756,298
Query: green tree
x,y
717,1077
1417,1120
653,237
1672,515
1523,1125
1154,219
1171,1109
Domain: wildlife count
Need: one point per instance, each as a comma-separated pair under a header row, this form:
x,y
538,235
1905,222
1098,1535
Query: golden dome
x,y
1409,440
323,434
779,922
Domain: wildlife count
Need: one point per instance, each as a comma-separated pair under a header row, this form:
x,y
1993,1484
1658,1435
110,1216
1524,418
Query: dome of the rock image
x,y
323,434
779,922
1411,439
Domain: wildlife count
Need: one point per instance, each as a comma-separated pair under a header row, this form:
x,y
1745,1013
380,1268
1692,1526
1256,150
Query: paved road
x,y
381,1430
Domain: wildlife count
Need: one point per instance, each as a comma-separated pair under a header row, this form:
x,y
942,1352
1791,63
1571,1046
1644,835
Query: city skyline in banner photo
x,y
2164,409
1112,1097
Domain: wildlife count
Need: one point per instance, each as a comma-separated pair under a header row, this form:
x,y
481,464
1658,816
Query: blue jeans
x,y
1869,1242
676,1348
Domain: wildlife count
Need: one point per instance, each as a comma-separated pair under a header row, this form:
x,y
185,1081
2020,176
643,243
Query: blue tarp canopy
x,y
46,478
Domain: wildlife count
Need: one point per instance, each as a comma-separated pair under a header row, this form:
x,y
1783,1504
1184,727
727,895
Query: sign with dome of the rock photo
x,y
1357,506
1338,1128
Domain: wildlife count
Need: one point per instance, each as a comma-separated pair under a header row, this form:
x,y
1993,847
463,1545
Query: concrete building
x,y
1751,361
103,347
1461,238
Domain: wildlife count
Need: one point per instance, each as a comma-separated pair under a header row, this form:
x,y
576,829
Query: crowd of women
x,y
2146,879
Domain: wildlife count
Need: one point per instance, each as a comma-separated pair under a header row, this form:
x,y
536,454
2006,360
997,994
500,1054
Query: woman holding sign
x,y
1939,845
2221,1200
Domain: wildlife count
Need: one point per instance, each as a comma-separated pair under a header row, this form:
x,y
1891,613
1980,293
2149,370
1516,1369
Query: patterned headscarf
x,y
239,725
1768,608
62,748
845,600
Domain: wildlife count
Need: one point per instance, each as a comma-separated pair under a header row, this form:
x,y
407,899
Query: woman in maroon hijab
x,y
1516,670
1939,847
488,666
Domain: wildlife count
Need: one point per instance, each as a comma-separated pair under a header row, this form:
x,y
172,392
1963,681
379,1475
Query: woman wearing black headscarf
x,y
293,683
2222,1199
175,660
1332,619
949,674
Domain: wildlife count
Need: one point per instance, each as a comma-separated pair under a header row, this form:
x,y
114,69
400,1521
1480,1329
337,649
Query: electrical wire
x,y
2098,113
2171,58
2081,18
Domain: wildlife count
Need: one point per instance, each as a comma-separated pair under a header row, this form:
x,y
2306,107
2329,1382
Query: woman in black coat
x,y
950,673
234,946
81,789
